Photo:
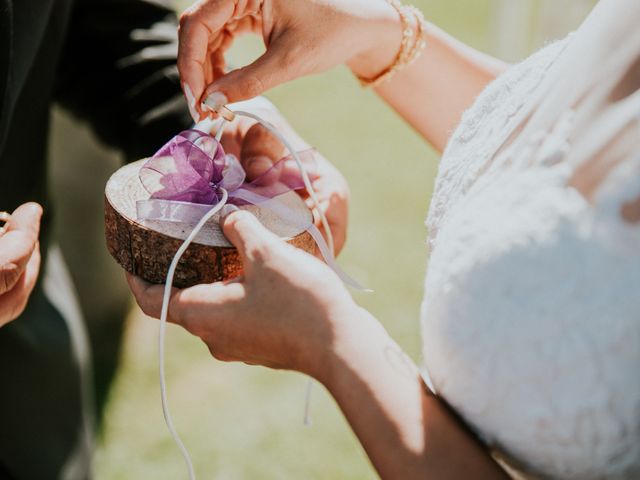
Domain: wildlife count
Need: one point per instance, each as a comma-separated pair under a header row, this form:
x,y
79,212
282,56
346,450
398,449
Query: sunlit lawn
x,y
246,423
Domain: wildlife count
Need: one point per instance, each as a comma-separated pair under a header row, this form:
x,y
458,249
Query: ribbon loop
x,y
186,176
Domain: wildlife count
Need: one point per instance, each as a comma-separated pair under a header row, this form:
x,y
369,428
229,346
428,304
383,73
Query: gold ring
x,y
220,109
224,112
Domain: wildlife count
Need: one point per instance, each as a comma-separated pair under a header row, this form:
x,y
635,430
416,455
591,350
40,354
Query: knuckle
x,y
181,312
189,325
241,6
257,133
253,85
260,141
254,6
189,322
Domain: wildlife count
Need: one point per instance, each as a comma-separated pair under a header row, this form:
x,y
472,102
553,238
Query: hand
x,y
286,312
19,261
290,311
258,150
302,37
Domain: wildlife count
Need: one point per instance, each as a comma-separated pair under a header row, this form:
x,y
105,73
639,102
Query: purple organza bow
x,y
192,168
185,178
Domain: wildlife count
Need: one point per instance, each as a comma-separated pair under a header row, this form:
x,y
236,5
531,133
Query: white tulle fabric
x,y
531,317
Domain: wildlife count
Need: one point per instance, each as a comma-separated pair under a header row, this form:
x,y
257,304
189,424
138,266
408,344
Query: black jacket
x,y
110,62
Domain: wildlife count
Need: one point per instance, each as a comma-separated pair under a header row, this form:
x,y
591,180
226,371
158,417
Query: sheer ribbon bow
x,y
186,176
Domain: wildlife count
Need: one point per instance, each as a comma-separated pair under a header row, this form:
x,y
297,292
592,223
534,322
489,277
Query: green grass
x,y
246,423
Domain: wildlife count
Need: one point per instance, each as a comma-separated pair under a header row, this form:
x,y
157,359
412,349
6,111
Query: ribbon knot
x,y
186,176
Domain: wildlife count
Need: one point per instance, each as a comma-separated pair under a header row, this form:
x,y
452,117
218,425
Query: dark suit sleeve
x,y
118,72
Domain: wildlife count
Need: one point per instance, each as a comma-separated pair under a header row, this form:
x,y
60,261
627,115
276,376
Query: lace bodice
x,y
531,317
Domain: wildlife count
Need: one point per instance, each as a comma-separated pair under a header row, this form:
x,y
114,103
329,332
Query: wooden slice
x,y
146,248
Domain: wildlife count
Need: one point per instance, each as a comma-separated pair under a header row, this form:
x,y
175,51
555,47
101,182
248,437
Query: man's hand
x,y
258,150
19,261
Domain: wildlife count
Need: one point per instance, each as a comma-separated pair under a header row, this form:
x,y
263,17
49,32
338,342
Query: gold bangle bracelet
x,y
412,45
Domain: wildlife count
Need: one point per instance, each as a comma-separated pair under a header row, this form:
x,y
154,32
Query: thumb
x,y
26,218
270,70
254,242
18,244
260,150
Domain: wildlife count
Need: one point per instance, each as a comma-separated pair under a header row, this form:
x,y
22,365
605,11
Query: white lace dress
x,y
531,317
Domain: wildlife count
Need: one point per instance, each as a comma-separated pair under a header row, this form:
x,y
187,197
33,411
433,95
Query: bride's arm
x,y
407,432
433,93
310,36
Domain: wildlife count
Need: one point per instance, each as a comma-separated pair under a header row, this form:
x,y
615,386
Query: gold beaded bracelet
x,y
412,45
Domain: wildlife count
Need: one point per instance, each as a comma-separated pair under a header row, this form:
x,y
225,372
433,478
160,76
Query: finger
x,y
246,24
17,245
148,296
218,64
247,7
233,135
197,24
254,242
33,269
191,103
27,219
260,150
271,69
193,308
14,301
203,308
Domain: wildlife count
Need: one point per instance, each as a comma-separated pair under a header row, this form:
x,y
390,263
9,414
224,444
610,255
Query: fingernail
x,y
227,210
216,100
35,208
191,103
255,166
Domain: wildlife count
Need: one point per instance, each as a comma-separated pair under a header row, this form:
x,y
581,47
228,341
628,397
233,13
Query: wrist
x,y
357,340
382,45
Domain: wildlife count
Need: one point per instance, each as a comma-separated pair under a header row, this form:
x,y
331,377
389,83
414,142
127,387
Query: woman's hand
x,y
19,261
302,37
285,312
258,150
291,311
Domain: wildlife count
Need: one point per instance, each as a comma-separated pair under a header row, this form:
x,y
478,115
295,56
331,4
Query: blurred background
x,y
246,423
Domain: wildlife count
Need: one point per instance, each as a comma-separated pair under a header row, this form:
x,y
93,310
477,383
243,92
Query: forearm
x,y
407,432
432,93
